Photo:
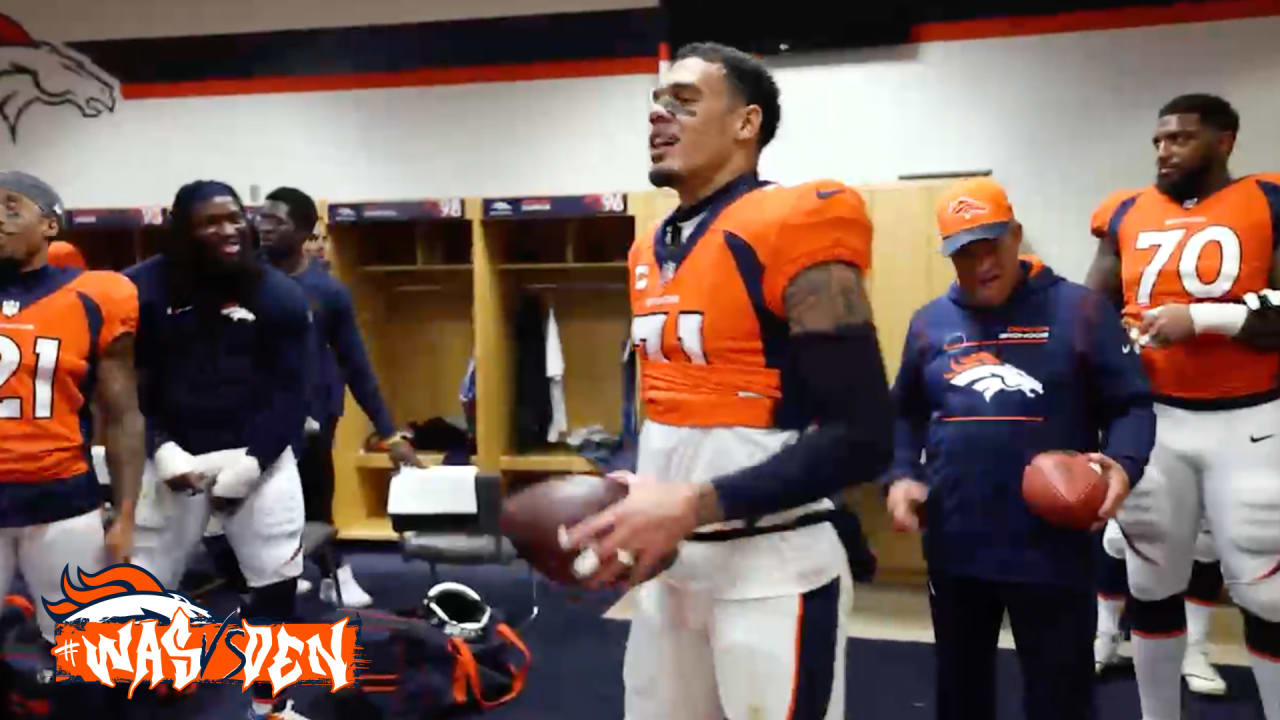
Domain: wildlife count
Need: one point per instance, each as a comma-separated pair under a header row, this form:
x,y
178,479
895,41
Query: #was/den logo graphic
x,y
122,625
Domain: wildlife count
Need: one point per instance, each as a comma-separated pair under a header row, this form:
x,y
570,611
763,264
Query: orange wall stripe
x,y
1082,20
364,81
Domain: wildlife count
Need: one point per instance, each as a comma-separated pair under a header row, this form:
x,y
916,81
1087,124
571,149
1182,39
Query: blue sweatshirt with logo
x,y
982,391
214,381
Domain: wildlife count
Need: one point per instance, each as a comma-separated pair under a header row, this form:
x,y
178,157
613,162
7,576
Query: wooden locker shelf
x,y
549,462
570,251
409,268
620,265
459,268
372,528
382,461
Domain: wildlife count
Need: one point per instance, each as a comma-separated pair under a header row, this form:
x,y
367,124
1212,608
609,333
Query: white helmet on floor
x,y
456,610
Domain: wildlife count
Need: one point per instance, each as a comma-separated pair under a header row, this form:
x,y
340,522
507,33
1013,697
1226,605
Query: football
x,y
1064,488
532,518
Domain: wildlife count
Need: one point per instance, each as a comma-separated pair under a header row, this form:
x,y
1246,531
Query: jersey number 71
x,y
647,331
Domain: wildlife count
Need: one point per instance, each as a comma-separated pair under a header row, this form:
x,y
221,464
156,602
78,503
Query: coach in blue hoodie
x,y
1012,361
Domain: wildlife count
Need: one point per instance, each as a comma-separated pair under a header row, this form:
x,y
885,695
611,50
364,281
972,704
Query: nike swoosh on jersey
x,y
1260,439
824,194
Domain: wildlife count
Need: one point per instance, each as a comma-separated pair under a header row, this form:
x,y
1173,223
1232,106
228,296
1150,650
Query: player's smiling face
x,y
24,231
693,122
219,225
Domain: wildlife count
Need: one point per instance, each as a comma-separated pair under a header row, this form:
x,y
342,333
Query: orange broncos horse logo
x,y
967,207
118,593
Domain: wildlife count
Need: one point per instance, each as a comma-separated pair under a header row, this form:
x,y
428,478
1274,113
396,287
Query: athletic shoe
x,y
353,595
1201,676
1106,651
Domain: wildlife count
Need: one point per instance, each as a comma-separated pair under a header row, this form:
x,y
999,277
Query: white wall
x,y
1061,119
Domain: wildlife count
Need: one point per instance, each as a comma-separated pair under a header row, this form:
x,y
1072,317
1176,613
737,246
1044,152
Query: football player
x,y
222,366
66,337
285,224
764,393
1186,258
1201,597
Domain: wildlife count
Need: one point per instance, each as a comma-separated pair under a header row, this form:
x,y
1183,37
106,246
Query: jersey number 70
x,y
1166,242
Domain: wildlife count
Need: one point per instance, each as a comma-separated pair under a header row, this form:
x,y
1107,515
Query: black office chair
x,y
455,538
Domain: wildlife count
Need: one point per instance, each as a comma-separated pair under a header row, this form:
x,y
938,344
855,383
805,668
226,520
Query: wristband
x,y
1218,318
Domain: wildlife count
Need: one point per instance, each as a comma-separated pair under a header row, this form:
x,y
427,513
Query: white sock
x,y
1109,610
1198,623
1158,664
1267,674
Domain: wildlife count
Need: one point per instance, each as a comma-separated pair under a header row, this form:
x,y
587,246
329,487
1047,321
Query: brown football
x,y
531,518
1064,488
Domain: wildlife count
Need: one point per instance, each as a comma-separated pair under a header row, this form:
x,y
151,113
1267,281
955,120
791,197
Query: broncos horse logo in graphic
x,y
967,207
35,71
120,593
985,373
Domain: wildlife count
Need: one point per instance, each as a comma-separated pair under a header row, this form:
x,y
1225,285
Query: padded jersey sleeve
x,y
825,221
1100,221
117,297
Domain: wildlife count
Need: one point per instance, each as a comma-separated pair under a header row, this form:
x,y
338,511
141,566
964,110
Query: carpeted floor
x,y
578,659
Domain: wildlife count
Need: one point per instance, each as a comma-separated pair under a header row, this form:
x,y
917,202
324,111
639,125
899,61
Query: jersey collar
x,y
668,259
21,291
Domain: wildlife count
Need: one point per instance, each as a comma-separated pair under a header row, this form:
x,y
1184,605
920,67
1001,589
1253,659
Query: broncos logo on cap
x,y
117,594
985,373
967,207
34,71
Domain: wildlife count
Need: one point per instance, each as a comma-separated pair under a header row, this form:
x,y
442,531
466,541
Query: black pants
x,y
316,468
1053,628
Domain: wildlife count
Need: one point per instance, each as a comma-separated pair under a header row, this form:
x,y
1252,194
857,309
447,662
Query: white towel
x,y
555,376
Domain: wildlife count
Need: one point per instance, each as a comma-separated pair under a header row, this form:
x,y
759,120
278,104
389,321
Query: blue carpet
x,y
578,658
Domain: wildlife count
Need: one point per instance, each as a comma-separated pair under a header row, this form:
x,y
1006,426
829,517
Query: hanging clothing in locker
x,y
555,380
533,402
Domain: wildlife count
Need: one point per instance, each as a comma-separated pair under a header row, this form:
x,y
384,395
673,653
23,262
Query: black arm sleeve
x,y
1261,327
843,380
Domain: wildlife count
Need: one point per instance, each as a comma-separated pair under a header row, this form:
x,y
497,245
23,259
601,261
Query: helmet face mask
x,y
457,610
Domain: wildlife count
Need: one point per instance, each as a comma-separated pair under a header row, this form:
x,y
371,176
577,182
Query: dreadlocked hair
x,y
192,278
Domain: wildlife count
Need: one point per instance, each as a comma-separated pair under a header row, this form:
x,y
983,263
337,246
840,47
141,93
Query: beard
x,y
663,177
209,279
1186,186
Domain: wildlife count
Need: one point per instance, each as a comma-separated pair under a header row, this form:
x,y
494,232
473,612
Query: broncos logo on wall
x,y
34,71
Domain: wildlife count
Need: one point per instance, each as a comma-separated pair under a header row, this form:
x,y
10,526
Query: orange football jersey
x,y
53,327
64,254
708,319
1215,250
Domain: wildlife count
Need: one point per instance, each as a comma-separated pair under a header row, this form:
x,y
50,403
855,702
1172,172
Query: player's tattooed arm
x,y
1104,273
826,297
835,362
123,426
